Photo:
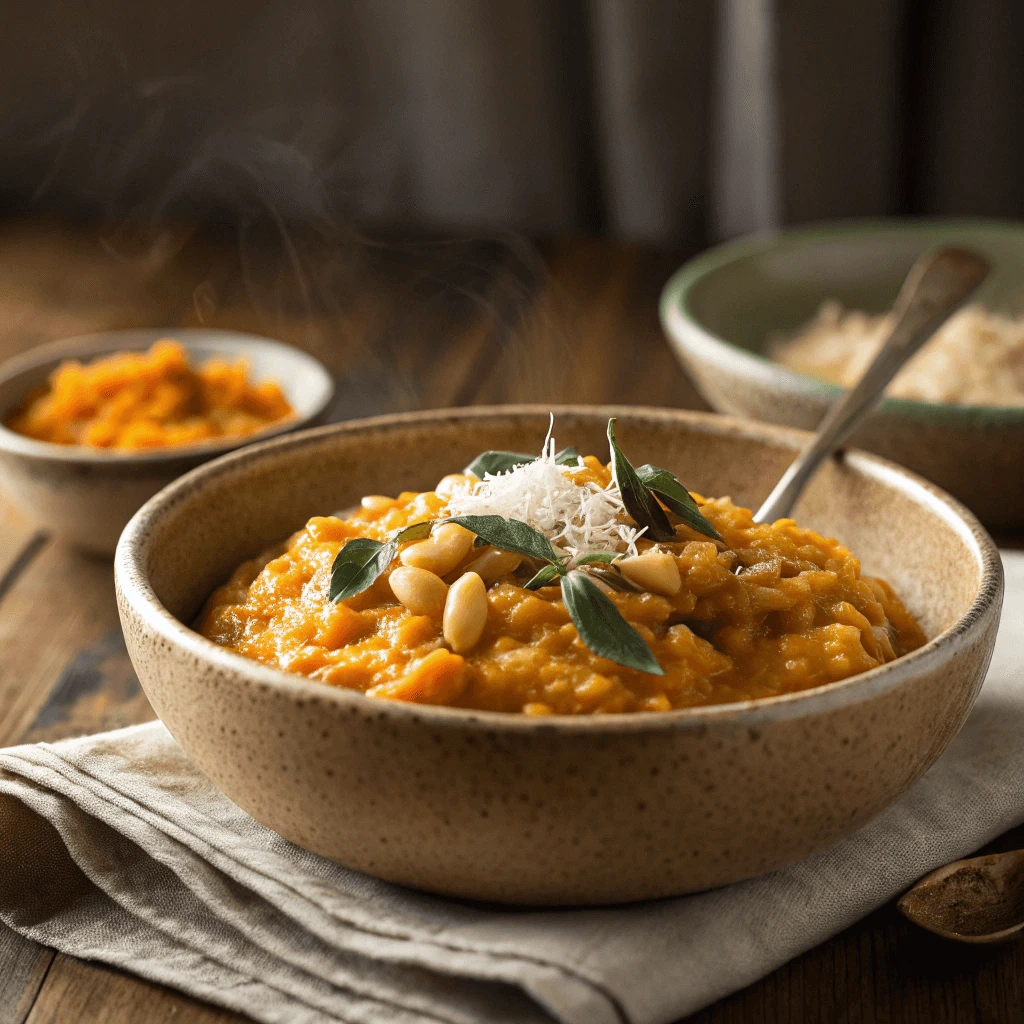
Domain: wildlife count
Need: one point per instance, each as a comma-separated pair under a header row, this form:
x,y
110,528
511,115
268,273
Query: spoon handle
x,y
937,285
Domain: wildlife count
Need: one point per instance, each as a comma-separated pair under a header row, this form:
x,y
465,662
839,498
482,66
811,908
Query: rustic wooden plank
x,y
23,963
23,967
60,281
17,556
88,992
61,603
564,347
592,334
19,542
606,304
96,691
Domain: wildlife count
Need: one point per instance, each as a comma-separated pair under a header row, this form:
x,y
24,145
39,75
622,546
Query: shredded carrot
x,y
153,399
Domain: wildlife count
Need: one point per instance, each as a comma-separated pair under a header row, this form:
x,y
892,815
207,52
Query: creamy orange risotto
x,y
753,611
153,399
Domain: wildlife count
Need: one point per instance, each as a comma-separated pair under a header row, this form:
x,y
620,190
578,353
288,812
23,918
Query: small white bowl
x,y
87,495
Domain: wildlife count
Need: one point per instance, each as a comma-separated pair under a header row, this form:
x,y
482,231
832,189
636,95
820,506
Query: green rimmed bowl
x,y
720,310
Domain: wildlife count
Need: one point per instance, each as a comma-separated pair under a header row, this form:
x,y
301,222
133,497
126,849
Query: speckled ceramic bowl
x,y
721,308
87,495
553,810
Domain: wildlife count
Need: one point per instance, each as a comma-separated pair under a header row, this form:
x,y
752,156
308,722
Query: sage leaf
x,y
676,498
418,531
357,565
639,502
602,628
362,560
598,556
614,579
509,535
503,462
544,577
496,462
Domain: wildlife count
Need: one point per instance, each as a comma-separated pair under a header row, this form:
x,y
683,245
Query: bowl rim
x,y
683,327
101,343
134,589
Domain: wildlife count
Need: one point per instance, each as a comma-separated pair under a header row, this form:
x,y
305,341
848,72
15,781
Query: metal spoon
x,y
937,285
975,900
981,899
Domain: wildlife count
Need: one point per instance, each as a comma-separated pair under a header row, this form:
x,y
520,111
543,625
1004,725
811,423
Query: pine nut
x,y
655,571
494,563
454,483
376,502
422,592
441,551
465,612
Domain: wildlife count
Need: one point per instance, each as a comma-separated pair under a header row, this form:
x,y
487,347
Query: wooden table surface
x,y
409,326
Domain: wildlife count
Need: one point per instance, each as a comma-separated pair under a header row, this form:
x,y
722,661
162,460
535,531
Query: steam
x,y
176,173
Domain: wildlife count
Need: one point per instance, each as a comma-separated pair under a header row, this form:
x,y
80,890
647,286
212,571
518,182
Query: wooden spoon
x,y
937,285
976,900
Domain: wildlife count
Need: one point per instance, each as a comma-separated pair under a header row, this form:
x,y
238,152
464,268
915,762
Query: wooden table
x,y
410,326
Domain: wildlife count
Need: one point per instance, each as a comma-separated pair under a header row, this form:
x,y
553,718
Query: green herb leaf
x,y
509,535
544,577
361,561
677,498
598,556
602,628
357,565
418,531
496,462
614,579
503,462
639,502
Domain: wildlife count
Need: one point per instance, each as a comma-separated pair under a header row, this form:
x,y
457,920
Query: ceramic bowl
x,y
556,810
721,308
87,495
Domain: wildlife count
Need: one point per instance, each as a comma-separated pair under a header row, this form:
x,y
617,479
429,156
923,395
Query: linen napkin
x,y
115,848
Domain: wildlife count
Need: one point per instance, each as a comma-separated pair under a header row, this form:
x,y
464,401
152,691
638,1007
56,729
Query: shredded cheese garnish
x,y
578,518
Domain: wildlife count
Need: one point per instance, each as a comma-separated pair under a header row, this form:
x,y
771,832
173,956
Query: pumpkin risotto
x,y
730,610
154,399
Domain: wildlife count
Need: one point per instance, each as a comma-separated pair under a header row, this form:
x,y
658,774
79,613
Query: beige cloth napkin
x,y
115,848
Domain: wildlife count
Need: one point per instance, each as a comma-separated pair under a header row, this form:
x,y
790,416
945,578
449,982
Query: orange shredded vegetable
x,y
152,399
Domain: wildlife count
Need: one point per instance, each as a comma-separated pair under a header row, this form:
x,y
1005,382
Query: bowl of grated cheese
x,y
773,327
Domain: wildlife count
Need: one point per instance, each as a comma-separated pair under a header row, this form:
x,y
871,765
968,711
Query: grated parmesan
x,y
975,358
578,518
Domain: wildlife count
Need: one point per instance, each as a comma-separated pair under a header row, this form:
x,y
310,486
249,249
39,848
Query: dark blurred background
x,y
453,201
676,122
